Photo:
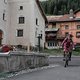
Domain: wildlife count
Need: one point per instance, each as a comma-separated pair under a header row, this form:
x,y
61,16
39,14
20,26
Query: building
x,y
60,26
22,22
3,21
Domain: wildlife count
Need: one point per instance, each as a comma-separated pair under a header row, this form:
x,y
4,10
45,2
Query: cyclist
x,y
68,45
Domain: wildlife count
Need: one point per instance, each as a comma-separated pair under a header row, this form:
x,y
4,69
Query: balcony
x,y
60,37
50,36
51,29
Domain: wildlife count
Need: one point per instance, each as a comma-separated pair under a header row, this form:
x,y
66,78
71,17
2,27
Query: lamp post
x,y
39,37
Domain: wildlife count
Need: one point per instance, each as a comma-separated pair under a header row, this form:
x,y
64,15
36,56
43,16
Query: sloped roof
x,y
41,10
76,11
63,18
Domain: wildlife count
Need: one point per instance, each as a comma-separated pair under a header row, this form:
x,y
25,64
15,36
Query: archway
x,y
1,33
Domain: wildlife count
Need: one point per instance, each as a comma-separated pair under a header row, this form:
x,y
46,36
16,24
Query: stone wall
x,y
15,61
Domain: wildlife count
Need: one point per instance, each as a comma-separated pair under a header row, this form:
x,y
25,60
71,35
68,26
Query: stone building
x,y
21,22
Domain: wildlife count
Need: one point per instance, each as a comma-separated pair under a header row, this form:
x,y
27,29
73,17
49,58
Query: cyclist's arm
x,y
63,42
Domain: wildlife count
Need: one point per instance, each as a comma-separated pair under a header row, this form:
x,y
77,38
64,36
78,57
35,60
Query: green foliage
x,y
59,52
58,7
54,51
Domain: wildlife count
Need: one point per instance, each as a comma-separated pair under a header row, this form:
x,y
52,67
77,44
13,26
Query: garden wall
x,y
18,60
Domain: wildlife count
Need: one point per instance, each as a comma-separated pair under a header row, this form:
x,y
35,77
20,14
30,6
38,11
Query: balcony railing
x,y
51,29
50,38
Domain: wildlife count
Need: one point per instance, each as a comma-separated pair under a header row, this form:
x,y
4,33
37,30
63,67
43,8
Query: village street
x,y
72,72
27,28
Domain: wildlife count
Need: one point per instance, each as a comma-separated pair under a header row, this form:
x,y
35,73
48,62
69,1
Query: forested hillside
x,y
58,7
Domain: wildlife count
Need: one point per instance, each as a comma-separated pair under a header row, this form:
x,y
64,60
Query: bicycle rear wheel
x,y
66,63
66,60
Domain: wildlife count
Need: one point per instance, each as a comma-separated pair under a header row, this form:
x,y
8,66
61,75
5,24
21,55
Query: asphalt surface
x,y
72,72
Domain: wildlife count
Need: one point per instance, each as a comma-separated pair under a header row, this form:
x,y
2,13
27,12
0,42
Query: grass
x,y
54,51
57,52
3,74
76,52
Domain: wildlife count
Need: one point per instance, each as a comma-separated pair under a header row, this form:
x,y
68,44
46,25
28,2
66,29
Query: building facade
x,y
25,20
3,21
64,25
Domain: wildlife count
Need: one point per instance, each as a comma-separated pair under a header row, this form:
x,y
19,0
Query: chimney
x,y
71,14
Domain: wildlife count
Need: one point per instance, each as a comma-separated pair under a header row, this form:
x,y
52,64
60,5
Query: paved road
x,y
75,61
72,72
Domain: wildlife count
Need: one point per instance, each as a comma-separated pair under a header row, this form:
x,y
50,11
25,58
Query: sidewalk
x,y
61,56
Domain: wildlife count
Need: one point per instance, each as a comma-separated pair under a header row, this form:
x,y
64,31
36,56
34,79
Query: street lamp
x,y
39,37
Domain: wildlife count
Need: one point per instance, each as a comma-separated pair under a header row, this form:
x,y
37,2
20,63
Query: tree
x,y
57,7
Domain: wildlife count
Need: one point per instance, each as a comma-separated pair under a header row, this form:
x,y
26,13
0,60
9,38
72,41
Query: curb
x,y
62,56
29,71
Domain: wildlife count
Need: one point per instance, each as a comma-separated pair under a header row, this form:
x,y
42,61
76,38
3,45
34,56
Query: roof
x,y
53,18
76,11
63,18
41,10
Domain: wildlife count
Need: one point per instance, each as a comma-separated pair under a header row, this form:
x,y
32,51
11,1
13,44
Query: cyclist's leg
x,y
70,53
64,56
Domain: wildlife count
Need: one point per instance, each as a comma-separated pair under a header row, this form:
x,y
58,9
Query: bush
x,y
77,49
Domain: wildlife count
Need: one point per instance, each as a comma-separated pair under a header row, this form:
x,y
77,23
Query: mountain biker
x,y
68,45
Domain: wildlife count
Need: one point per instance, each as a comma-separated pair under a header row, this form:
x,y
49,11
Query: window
x,y
66,34
36,32
21,7
50,44
20,33
3,16
5,1
37,21
21,20
78,26
78,34
66,27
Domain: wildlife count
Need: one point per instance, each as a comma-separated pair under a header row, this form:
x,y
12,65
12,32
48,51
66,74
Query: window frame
x,y
19,34
21,20
78,27
77,36
21,7
4,16
5,1
37,21
66,33
66,27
